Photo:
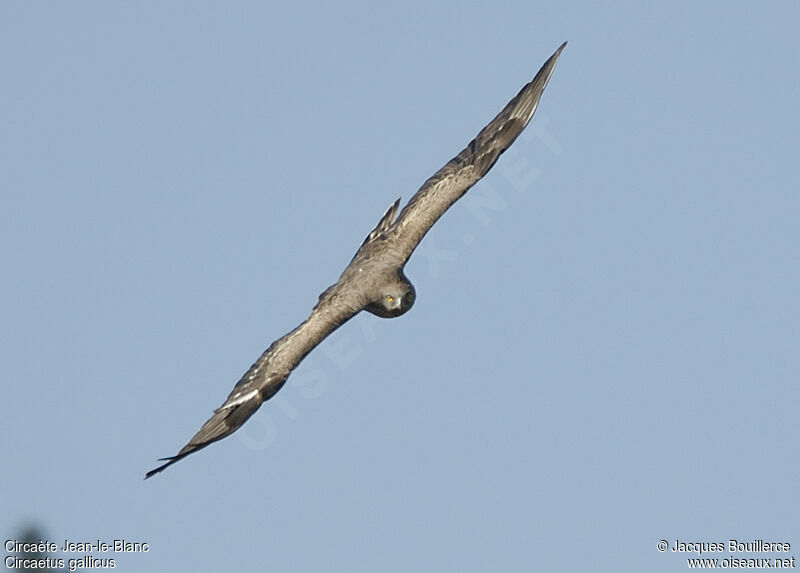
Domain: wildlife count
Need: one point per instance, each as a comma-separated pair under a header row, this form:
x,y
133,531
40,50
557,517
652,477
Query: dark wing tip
x,y
504,129
161,468
541,79
222,423
188,449
555,55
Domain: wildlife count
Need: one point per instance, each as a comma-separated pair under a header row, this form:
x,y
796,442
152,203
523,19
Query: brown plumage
x,y
374,280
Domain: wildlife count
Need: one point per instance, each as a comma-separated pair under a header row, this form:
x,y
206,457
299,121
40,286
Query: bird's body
x,y
374,280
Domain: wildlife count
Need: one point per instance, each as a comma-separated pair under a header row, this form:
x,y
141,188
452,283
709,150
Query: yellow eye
x,y
389,298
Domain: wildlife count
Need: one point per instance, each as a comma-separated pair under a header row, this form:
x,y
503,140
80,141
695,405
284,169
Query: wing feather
x,y
448,184
268,374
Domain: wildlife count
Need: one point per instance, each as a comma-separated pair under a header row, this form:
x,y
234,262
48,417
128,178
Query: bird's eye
x,y
389,298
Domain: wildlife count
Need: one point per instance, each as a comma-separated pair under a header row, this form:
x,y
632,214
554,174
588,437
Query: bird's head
x,y
396,297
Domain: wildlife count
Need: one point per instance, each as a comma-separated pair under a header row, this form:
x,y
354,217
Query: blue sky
x,y
604,348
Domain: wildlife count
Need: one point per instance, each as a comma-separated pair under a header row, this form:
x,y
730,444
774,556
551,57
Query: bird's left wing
x,y
448,184
268,374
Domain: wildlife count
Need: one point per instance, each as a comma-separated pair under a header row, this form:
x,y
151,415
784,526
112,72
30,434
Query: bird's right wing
x,y
268,374
448,184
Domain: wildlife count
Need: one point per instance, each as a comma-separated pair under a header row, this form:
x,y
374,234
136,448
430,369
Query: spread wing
x,y
264,378
448,184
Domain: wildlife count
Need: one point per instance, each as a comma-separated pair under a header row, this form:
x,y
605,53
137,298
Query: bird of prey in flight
x,y
374,280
